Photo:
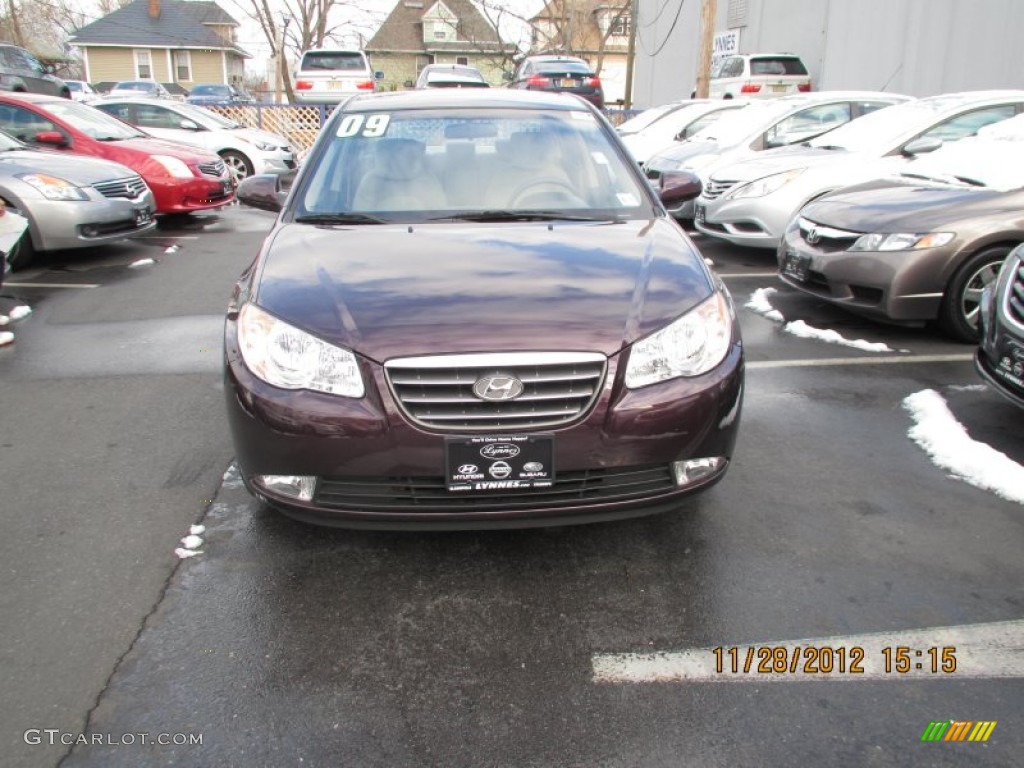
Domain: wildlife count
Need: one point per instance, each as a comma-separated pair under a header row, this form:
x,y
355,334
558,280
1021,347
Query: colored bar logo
x,y
958,730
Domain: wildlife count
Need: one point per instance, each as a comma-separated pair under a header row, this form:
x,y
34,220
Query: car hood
x,y
255,134
784,159
680,151
153,146
396,291
895,205
74,168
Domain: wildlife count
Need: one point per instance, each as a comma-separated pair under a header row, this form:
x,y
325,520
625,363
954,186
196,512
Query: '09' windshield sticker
x,y
367,126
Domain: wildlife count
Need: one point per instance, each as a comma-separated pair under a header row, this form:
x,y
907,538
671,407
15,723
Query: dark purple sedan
x,y
474,311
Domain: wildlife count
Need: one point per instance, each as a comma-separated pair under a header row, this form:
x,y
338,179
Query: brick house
x,y
417,33
174,42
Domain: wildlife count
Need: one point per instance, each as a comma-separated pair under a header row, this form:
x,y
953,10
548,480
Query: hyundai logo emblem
x,y
498,387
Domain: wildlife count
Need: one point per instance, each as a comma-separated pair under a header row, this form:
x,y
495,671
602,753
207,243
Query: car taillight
x,y
366,85
750,88
538,80
804,87
593,82
303,85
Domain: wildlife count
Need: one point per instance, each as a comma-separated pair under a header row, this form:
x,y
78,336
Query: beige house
x,y
174,42
421,32
588,29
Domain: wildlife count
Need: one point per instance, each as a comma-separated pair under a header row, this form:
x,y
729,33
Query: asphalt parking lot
x,y
836,594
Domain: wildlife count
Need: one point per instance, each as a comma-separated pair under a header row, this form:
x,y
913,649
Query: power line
x,y
667,36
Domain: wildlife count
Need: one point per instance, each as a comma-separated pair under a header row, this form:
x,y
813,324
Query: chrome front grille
x,y
131,187
1015,295
827,239
438,392
715,188
216,168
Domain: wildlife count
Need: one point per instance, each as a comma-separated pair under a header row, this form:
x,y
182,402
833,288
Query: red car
x,y
183,179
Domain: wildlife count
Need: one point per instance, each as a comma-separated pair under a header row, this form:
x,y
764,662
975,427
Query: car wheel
x,y
237,163
960,311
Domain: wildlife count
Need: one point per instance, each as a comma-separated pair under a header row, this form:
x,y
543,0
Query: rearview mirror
x,y
266,191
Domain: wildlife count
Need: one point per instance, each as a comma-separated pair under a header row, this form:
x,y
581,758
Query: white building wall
x,y
917,47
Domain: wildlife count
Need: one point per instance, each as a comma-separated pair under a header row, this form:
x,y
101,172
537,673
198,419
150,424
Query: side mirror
x,y
921,146
266,191
190,125
677,187
54,138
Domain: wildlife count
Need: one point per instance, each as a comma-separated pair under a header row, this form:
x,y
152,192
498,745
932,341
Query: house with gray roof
x,y
421,32
175,42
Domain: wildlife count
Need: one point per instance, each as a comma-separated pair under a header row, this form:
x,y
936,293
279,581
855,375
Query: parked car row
x,y
82,177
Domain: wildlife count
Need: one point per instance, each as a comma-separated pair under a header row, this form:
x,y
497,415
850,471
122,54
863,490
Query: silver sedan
x,y
70,201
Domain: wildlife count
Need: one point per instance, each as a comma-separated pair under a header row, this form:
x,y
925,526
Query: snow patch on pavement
x,y
6,337
759,303
946,441
804,331
142,263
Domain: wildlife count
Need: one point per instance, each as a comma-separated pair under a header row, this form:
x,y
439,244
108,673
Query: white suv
x,y
328,76
758,76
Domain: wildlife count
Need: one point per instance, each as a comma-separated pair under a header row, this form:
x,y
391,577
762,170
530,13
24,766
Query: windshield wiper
x,y
339,218
944,179
501,215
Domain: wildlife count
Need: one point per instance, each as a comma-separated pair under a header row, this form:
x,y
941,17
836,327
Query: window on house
x,y
463,60
182,66
439,34
620,27
143,66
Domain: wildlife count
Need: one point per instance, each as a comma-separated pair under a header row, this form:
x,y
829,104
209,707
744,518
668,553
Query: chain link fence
x,y
300,123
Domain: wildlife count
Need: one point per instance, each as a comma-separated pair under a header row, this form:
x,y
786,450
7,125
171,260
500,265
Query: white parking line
x,y
994,650
52,285
838,361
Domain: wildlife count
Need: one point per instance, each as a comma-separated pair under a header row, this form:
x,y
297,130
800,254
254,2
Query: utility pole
x,y
708,14
278,63
631,55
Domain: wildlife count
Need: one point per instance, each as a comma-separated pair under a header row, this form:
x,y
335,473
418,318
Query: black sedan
x,y
1000,357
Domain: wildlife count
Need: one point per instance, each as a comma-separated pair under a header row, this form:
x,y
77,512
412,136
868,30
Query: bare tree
x,y
574,27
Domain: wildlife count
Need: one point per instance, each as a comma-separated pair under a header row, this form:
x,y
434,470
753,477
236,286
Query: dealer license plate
x,y
796,265
143,216
699,213
499,463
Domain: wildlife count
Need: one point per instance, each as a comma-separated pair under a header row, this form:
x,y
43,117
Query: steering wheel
x,y
551,183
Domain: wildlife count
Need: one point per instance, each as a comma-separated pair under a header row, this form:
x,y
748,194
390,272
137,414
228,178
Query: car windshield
x,y
92,122
739,125
472,163
333,60
881,130
212,90
977,162
140,86
554,67
647,117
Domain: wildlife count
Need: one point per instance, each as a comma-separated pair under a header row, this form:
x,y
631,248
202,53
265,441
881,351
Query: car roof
x,y
453,98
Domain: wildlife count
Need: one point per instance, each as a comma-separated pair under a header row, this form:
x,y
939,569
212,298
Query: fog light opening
x,y
90,231
691,471
299,487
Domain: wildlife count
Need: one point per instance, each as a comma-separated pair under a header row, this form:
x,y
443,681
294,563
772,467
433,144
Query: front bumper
x,y
57,224
374,468
741,222
898,286
187,195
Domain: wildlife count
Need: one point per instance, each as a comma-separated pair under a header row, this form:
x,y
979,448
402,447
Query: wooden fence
x,y
300,123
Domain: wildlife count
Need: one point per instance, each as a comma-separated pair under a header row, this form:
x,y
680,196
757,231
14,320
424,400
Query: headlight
x,y
286,357
901,241
765,186
264,146
53,188
690,346
174,166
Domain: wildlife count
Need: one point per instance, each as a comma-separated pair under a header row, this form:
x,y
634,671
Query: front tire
x,y
960,312
237,163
